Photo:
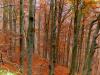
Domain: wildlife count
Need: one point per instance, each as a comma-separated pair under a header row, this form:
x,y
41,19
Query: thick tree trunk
x,y
53,36
30,35
77,20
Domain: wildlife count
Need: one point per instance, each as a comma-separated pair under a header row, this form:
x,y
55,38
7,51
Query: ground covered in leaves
x,y
40,67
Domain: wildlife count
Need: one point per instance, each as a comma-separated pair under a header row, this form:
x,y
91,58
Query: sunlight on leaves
x,y
10,73
5,72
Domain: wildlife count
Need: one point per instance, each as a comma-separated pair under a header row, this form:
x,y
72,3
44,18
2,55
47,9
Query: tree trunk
x,y
93,47
22,41
53,36
77,20
30,35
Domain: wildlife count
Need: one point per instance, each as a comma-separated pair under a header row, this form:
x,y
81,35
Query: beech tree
x,y
53,15
77,20
22,41
30,35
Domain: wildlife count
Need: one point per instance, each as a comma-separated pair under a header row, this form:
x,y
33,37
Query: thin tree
x,y
39,30
60,11
11,28
22,46
5,15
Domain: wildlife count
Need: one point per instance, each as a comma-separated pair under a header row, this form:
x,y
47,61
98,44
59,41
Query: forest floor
x,y
40,67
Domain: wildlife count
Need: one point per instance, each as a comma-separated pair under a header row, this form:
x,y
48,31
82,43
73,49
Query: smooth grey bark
x,y
22,40
77,20
31,35
53,36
